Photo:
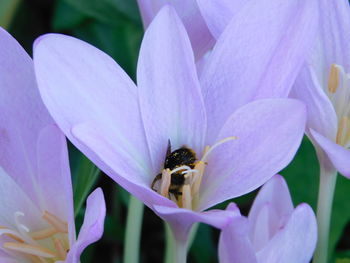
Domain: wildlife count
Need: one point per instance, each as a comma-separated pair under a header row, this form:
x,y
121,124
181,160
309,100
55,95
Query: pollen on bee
x,y
182,174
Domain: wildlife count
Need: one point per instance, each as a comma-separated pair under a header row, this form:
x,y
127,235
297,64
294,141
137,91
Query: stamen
x,y
23,230
186,197
10,233
192,179
45,233
55,222
165,184
333,80
172,197
30,249
37,259
197,179
59,248
205,156
343,131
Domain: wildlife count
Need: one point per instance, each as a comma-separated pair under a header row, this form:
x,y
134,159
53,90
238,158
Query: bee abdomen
x,y
177,179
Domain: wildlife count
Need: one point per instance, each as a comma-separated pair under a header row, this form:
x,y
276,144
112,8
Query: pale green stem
x,y
176,250
328,177
168,256
133,231
179,251
193,234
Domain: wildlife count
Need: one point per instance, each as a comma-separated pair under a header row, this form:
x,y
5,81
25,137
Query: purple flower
x,y
231,147
275,35
36,212
201,38
273,232
324,85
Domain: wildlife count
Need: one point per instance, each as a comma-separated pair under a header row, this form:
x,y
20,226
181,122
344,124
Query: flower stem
x,y
179,251
168,257
176,250
133,231
328,177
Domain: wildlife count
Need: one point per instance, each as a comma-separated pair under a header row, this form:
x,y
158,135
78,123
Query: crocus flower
x,y
324,85
273,232
200,36
284,30
133,133
36,212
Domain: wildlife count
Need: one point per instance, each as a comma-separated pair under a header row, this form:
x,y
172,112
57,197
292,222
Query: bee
x,y
174,159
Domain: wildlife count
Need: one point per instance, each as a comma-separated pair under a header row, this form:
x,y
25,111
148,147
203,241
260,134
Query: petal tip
x,y
42,38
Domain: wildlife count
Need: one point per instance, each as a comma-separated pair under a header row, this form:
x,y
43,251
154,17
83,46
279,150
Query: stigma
x,y
181,177
339,95
46,245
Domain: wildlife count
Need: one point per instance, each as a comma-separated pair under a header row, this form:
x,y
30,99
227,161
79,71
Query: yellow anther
x,y
54,221
45,233
29,249
186,197
14,237
165,183
52,244
197,179
60,248
36,259
333,80
343,133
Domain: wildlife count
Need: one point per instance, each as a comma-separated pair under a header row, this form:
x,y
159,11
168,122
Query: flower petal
x,y
8,260
260,231
266,142
169,92
181,220
53,171
218,14
127,174
295,243
239,70
234,243
92,228
14,200
334,41
22,114
338,155
80,84
276,194
321,115
190,15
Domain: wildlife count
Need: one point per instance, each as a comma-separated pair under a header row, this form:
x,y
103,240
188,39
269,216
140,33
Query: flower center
x,y
339,94
182,175
48,245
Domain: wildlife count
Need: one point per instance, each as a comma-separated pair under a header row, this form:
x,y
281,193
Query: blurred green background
x,y
115,27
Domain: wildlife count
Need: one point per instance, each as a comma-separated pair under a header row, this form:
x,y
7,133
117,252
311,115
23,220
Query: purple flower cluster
x,y
225,92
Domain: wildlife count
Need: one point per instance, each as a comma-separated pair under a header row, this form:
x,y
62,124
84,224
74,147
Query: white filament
x,y
205,156
183,167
